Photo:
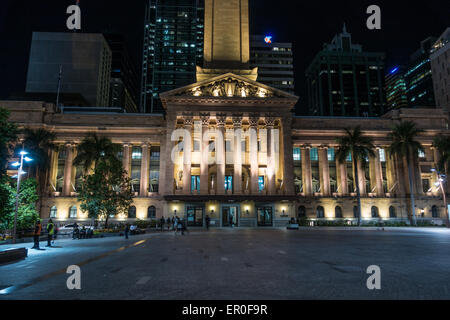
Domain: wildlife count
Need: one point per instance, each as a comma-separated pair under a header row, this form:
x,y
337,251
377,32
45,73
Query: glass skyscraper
x,y
173,47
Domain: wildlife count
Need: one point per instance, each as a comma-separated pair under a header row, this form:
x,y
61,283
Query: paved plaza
x,y
237,264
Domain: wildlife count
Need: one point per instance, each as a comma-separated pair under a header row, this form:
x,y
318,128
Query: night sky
x,y
308,24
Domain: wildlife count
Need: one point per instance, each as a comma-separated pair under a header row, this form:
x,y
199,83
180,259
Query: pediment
x,y
227,86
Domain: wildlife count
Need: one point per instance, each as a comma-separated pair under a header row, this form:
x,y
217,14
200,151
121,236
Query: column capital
x,y
270,119
253,119
237,120
221,119
205,118
188,121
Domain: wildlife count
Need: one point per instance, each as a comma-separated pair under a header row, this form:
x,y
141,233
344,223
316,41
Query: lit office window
x,y
314,154
195,183
229,183
297,154
136,153
421,154
331,155
382,153
261,183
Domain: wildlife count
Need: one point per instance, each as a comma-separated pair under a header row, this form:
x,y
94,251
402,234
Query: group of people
x,y
82,233
52,231
175,223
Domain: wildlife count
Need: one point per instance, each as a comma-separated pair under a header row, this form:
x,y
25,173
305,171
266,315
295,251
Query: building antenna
x,y
59,87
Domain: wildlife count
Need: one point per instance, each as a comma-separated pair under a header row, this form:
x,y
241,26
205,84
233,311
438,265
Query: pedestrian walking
x,y
162,221
127,230
37,234
50,232
168,224
76,231
180,226
208,220
175,224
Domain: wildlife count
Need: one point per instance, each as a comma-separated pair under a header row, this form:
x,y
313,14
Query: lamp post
x,y
440,183
19,173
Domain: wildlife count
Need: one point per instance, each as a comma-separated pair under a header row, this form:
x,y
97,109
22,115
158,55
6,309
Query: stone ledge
x,y
9,255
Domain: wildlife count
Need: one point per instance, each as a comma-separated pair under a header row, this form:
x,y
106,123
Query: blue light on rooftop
x,y
394,70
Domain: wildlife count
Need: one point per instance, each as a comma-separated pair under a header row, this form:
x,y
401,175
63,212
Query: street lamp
x,y
19,173
440,183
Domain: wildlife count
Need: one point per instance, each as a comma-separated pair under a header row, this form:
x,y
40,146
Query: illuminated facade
x,y
230,148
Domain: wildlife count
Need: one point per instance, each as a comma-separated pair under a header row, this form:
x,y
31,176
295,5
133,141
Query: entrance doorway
x,y
194,216
265,216
230,216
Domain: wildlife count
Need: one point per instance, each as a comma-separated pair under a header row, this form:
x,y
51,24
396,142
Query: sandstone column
x,y
220,153
306,171
271,183
342,177
254,167
187,148
126,158
166,153
204,153
237,177
67,189
324,170
378,173
144,170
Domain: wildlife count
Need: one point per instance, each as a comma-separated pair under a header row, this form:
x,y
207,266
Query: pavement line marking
x,y
282,252
143,280
61,271
224,259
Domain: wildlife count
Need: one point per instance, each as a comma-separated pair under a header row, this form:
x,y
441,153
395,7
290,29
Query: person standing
x,y
208,220
37,234
127,230
175,224
50,232
168,224
162,221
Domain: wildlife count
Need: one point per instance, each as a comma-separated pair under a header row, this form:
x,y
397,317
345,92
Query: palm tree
x,y
94,149
39,143
406,147
360,147
442,144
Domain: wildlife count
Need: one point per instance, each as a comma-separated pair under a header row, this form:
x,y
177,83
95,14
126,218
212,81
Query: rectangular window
x,y
259,145
297,154
261,183
382,153
136,153
195,183
229,183
314,154
421,154
227,145
212,146
244,146
349,158
331,155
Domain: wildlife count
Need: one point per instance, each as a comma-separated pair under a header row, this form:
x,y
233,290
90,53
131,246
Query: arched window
x,y
434,212
151,212
320,212
53,212
73,212
392,212
355,212
132,212
375,213
301,212
338,212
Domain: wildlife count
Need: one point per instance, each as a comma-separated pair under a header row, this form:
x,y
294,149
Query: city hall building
x,y
231,148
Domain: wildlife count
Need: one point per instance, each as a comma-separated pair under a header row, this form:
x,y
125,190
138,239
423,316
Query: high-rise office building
x,y
343,80
396,88
84,60
124,85
440,66
173,47
274,61
419,82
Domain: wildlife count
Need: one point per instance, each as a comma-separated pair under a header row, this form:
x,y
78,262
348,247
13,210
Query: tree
x,y
94,149
360,147
39,143
405,147
442,144
106,192
8,138
27,214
